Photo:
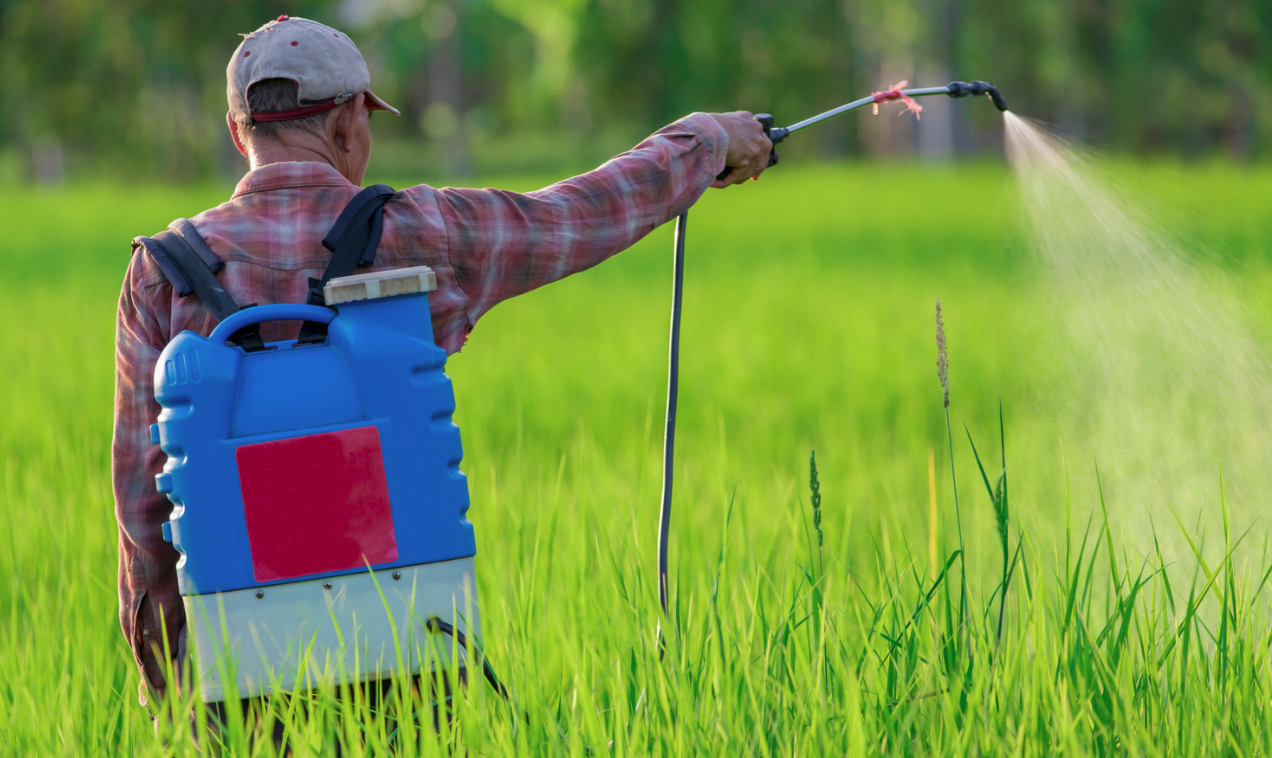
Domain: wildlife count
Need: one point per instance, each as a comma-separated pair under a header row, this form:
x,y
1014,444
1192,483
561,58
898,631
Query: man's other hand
x,y
748,147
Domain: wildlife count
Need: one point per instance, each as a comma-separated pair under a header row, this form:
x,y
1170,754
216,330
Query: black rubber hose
x,y
435,624
669,431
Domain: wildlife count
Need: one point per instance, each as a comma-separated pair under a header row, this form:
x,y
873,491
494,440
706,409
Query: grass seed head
x,y
814,487
1001,514
942,357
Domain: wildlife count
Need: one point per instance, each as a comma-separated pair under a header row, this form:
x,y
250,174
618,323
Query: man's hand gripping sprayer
x,y
775,135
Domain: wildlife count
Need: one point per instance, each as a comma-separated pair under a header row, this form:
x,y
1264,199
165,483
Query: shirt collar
x,y
275,176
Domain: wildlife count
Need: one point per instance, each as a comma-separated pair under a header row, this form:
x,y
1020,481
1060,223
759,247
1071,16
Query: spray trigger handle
x,y
774,134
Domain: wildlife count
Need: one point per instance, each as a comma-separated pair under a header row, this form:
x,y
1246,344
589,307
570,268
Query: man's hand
x,y
748,147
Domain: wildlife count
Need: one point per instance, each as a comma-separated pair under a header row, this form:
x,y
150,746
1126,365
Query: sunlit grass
x,y
808,325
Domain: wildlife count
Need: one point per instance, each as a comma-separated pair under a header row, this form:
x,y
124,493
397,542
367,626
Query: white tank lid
x,y
398,281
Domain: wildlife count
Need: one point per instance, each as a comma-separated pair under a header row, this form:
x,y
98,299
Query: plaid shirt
x,y
485,246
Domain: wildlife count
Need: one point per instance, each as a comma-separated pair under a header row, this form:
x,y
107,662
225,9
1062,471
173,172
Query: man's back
x,y
485,246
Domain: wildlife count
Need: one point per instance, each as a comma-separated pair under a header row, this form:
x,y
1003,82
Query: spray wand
x,y
775,134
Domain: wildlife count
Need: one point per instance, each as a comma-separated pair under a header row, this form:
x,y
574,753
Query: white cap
x,y
324,63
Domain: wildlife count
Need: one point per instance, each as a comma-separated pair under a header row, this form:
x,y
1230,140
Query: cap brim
x,y
376,104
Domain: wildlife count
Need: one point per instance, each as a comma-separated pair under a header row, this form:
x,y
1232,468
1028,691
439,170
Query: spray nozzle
x,y
963,89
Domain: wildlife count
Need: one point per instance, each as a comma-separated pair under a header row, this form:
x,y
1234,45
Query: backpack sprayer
x,y
315,482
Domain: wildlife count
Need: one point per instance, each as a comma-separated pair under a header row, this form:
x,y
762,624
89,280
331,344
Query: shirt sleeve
x,y
502,244
149,600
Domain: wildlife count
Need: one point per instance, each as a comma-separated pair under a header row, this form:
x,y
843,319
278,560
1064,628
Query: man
x,y
299,105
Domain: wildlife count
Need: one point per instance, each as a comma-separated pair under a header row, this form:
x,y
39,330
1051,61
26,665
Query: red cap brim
x,y
376,104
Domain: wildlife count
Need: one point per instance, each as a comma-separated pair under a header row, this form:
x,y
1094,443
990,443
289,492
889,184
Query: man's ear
x,y
343,121
234,135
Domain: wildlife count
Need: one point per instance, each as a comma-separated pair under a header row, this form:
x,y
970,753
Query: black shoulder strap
x,y
188,262
352,242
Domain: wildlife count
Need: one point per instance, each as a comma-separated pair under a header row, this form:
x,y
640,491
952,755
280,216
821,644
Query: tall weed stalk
x,y
943,374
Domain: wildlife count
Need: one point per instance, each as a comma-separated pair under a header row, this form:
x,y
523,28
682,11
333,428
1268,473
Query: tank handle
x,y
261,313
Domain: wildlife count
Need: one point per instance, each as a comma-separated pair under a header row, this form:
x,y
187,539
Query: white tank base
x,y
305,633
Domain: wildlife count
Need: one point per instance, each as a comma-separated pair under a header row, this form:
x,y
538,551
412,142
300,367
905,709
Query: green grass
x,y
807,325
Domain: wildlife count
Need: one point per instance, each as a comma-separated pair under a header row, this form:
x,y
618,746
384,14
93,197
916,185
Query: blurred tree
x,y
137,86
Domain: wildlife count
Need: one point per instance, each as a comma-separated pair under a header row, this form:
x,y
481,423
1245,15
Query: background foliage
x,y
137,86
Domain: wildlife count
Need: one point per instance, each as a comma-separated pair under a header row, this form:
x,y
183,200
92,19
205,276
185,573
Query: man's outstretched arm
x,y
502,244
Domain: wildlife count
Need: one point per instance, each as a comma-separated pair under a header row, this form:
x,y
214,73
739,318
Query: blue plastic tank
x,y
304,462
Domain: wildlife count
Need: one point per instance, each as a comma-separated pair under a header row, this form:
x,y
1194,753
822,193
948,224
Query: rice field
x,y
1128,624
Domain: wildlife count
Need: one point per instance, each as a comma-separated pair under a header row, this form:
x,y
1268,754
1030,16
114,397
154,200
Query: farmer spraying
x,y
275,440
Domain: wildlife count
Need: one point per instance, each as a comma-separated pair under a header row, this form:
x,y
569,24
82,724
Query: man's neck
x,y
268,152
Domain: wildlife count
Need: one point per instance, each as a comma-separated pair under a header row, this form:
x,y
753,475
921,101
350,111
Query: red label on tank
x,y
316,503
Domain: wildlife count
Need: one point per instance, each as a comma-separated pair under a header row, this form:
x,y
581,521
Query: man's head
x,y
300,90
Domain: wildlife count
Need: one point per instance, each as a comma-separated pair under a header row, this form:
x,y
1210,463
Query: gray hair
x,y
272,96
